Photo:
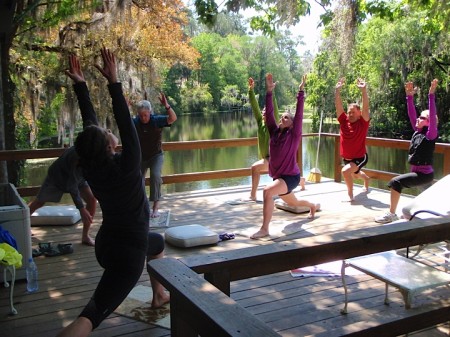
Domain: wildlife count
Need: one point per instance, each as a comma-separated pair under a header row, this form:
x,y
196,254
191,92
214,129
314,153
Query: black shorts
x,y
360,162
291,182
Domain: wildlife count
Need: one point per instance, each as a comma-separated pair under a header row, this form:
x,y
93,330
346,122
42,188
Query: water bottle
x,y
32,276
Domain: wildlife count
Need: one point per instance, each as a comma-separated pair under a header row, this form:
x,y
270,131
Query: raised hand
x,y
109,69
251,83
409,89
74,71
270,84
361,83
302,85
433,86
340,83
163,99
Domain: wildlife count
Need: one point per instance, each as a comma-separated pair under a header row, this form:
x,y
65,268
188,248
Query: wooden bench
x,y
197,307
407,275
221,268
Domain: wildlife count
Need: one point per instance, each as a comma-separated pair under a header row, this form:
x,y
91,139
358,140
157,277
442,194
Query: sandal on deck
x,y
36,252
61,249
44,247
226,236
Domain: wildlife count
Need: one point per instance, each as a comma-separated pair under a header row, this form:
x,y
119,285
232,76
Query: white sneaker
x,y
386,218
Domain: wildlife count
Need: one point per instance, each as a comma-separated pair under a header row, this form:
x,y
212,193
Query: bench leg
x,y
221,280
12,270
407,297
386,294
178,326
344,265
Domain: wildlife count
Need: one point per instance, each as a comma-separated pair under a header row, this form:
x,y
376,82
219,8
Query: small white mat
x,y
55,215
191,236
162,220
280,204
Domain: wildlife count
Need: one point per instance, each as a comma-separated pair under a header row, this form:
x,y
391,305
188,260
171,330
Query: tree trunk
x,y
9,172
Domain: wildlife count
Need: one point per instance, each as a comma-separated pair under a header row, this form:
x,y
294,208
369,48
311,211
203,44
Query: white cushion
x,y
280,204
433,199
55,215
190,236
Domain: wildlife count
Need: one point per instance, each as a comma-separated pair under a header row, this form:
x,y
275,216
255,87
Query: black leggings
x,y
123,261
409,180
155,246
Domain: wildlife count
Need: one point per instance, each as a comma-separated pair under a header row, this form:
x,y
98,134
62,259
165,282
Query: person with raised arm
x,y
421,150
283,168
149,127
354,126
115,179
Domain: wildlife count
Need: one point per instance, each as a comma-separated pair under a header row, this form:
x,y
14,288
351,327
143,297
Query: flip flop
x,y
36,252
45,246
61,249
226,236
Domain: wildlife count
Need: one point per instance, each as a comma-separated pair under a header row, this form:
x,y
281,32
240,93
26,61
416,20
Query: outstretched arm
x,y
171,115
337,97
298,118
410,91
84,100
131,149
365,112
270,118
253,103
432,119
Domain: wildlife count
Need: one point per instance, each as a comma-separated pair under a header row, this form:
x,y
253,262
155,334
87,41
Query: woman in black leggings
x,y
117,183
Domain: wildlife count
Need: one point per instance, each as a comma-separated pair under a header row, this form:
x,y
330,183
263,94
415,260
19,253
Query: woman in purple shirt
x,y
283,167
421,150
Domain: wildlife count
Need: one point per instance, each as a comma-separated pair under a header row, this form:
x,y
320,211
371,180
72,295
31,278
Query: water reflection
x,y
241,125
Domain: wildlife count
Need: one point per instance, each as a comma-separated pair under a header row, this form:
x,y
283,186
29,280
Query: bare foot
x,y
159,300
259,234
313,211
88,241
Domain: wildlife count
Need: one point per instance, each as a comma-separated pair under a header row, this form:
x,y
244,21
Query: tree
x,y
143,34
271,14
231,97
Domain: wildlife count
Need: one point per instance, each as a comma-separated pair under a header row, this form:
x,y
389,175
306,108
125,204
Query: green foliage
x,y
231,98
230,61
207,11
48,116
196,98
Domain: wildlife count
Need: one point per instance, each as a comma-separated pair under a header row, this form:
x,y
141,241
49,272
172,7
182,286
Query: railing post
x,y
337,160
446,162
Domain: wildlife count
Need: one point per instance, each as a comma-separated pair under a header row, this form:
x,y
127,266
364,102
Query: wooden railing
x,y
232,173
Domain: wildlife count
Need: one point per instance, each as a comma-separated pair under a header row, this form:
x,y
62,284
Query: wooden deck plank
x,y
293,306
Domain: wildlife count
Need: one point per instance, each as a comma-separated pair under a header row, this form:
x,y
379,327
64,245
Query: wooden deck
x,y
291,306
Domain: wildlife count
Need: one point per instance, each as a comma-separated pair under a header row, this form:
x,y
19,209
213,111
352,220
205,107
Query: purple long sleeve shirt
x,y
431,133
284,143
